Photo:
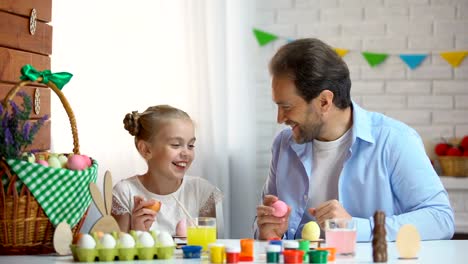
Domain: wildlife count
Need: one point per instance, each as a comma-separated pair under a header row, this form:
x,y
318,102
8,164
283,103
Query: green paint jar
x,y
273,253
304,246
318,256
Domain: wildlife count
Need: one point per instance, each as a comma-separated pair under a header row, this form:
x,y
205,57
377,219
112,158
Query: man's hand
x,y
270,226
328,210
142,218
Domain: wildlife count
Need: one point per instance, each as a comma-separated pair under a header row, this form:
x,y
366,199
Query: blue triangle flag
x,y
413,60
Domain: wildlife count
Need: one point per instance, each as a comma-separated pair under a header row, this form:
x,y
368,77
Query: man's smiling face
x,y
293,110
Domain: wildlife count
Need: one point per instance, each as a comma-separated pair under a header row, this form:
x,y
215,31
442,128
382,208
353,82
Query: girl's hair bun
x,y
131,123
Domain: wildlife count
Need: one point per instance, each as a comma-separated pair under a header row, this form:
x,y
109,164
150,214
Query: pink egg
x,y
43,162
87,159
280,208
76,162
181,229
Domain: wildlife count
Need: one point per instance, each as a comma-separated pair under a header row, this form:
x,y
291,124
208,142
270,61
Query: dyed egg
x,y
86,241
311,231
29,157
108,241
54,162
165,239
146,239
43,163
181,228
63,160
76,162
87,160
155,207
126,240
280,208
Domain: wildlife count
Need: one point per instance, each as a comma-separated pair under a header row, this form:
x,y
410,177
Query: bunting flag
x,y
454,58
374,59
341,52
263,37
412,60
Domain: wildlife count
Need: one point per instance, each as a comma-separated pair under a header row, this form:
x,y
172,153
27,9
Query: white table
x,y
440,251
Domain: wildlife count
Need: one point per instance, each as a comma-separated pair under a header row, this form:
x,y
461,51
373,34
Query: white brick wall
x,y
433,98
399,28
298,16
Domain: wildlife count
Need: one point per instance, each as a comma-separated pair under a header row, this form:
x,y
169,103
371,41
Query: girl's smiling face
x,y
171,151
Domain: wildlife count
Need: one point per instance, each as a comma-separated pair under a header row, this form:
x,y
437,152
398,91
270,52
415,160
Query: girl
x,y
164,137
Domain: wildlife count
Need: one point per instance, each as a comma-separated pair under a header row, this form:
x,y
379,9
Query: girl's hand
x,y
142,218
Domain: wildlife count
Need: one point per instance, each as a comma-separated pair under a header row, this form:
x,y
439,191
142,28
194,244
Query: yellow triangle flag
x,y
454,57
341,52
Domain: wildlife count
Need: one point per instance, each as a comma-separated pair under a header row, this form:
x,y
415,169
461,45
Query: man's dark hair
x,y
313,66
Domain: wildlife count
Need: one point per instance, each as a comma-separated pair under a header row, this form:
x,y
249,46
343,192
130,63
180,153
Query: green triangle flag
x,y
374,59
263,37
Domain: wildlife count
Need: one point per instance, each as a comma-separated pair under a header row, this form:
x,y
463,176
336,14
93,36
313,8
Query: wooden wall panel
x,y
24,7
30,90
12,60
18,48
42,139
14,33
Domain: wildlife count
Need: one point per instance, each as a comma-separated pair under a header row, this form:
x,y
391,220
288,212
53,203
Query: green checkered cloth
x,y
62,193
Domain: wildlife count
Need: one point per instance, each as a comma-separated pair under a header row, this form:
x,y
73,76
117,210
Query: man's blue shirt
x,y
385,169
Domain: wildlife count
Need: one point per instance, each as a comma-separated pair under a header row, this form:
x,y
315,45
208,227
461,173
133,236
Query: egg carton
x,y
100,253
126,254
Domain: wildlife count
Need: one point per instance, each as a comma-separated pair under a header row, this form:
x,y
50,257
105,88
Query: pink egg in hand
x,y
181,228
76,162
281,208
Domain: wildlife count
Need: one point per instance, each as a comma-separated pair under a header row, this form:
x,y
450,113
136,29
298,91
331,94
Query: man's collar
x,y
361,124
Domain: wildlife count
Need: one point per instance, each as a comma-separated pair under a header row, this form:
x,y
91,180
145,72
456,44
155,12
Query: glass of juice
x,y
341,234
203,234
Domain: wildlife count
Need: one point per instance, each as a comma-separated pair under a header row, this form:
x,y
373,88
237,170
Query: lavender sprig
x,y
26,130
16,130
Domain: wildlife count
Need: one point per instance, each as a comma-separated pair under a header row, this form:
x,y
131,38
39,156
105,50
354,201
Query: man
x,y
338,160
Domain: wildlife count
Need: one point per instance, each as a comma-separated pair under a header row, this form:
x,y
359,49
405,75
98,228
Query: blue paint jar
x,y
191,251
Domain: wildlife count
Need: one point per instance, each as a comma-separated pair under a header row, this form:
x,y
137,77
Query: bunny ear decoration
x,y
97,198
108,191
106,223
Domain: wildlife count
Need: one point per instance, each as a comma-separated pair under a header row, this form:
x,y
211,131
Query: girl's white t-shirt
x,y
196,194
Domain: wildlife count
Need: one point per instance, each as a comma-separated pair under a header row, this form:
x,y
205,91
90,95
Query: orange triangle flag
x,y
454,58
341,52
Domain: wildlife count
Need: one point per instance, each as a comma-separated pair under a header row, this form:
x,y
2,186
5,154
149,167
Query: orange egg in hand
x,y
155,207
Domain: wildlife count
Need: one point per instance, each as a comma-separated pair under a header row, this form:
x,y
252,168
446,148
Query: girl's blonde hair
x,y
145,125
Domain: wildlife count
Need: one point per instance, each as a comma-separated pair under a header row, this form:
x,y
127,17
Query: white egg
x,y
126,241
146,239
155,232
86,241
108,241
165,239
138,233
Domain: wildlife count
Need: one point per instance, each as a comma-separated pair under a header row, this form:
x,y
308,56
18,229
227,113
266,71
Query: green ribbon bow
x,y
60,78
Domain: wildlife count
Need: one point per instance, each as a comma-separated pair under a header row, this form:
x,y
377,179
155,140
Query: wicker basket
x,y
24,226
454,166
